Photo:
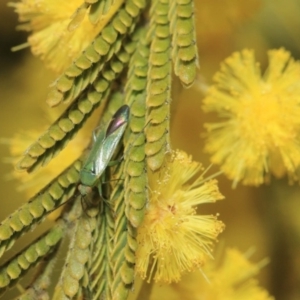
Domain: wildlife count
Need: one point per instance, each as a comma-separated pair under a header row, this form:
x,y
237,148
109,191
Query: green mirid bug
x,y
105,144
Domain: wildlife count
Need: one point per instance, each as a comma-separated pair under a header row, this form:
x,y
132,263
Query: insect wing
x,y
114,134
88,174
104,147
120,118
111,142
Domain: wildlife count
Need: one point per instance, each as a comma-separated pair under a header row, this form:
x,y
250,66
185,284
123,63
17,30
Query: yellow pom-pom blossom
x,y
230,279
173,238
260,128
60,29
234,278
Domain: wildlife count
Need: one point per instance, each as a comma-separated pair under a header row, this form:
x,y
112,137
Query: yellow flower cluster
x,y
173,238
233,278
228,279
60,29
259,130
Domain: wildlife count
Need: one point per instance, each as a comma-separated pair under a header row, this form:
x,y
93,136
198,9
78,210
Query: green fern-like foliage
x,y
131,62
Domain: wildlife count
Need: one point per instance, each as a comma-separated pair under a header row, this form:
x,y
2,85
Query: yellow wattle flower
x,y
259,130
229,279
59,35
173,238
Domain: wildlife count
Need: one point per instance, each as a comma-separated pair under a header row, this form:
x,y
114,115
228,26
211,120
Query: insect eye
x,y
118,119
